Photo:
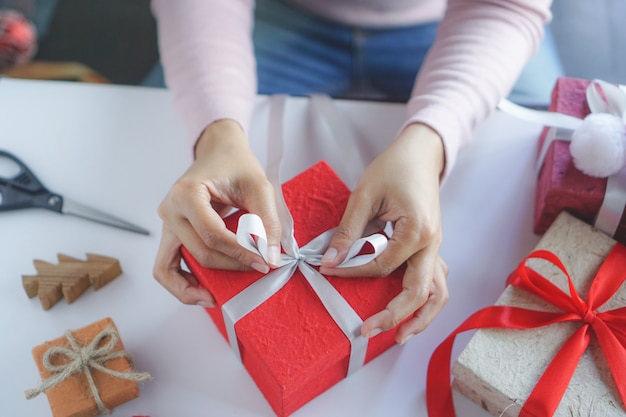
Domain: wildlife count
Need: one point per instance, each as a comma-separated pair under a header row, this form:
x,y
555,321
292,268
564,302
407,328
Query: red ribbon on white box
x,y
607,326
251,235
602,97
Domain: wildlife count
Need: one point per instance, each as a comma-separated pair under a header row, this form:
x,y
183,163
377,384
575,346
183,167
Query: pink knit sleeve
x,y
481,48
208,59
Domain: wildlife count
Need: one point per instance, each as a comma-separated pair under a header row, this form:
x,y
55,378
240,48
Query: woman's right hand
x,y
225,174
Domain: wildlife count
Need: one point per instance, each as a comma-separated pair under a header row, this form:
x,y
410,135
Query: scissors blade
x,y
76,209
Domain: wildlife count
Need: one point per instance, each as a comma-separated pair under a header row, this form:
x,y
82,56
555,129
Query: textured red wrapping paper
x,y
561,186
290,345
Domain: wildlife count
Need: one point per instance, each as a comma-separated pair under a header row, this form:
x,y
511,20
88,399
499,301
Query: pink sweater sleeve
x,y
481,48
208,59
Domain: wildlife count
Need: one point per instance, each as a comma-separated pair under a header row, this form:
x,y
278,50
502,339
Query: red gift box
x,y
561,186
289,344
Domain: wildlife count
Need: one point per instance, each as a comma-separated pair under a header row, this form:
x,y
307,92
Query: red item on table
x,y
290,345
561,186
18,39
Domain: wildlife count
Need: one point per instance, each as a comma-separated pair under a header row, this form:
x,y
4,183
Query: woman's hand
x,y
225,174
401,186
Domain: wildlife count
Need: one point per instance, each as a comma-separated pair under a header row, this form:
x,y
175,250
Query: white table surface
x,y
120,148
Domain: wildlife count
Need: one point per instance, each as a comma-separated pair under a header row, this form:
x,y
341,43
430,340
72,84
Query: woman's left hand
x,y
400,186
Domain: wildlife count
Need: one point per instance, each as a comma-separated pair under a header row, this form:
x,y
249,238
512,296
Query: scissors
x,y
24,190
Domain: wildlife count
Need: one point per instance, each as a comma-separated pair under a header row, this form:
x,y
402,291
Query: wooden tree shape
x,y
69,278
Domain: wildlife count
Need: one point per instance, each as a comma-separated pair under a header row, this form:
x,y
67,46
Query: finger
x,y
205,223
416,286
210,258
168,273
426,314
221,209
358,212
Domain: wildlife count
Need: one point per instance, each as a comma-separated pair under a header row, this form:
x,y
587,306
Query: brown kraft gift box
x,y
500,367
73,397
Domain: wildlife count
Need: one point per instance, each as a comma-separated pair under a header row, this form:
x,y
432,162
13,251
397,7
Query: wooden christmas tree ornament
x,y
69,278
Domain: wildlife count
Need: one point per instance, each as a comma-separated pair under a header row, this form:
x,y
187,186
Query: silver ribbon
x,y
601,97
251,235
327,121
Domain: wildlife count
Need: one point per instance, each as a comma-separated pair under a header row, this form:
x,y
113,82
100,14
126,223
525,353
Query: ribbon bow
x,y
597,143
608,327
251,235
83,359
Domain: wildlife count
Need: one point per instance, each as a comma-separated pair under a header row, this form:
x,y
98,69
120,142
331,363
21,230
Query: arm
x,y
481,48
206,50
208,58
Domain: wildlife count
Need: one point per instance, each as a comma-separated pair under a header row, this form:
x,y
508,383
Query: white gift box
x,y
499,368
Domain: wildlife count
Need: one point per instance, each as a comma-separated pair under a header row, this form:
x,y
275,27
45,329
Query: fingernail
x,y
406,339
206,303
262,268
373,333
330,255
273,255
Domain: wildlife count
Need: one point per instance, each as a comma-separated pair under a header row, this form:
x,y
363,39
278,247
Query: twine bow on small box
x,y
82,359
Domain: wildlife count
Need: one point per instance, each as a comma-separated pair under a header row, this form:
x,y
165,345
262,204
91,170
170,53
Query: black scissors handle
x,y
24,190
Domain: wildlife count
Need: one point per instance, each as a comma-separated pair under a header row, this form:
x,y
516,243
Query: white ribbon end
x,y
251,226
377,242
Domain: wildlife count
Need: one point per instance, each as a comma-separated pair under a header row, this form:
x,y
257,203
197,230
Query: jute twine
x,y
83,359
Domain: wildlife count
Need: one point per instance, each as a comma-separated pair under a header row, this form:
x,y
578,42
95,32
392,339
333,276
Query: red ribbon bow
x,y
608,326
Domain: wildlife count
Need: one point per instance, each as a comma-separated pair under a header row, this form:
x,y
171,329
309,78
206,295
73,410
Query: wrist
x,y
427,145
219,134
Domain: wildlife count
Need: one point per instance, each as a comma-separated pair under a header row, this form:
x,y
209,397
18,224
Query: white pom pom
x,y
598,146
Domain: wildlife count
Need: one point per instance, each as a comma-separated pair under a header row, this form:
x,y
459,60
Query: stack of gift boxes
x,y
554,343
294,357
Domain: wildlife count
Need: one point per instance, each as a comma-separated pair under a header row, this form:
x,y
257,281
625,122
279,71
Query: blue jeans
x,y
298,54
